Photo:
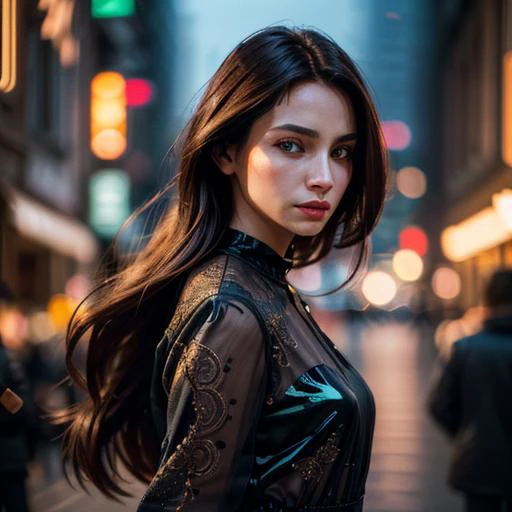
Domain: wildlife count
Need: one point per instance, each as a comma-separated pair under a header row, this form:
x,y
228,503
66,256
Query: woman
x,y
206,374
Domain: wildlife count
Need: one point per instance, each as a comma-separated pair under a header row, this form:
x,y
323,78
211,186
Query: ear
x,y
224,155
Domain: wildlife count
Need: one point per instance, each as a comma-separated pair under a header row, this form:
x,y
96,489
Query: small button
x,y
307,308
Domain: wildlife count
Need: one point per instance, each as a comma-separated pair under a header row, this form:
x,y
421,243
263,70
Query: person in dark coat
x,y
472,402
14,424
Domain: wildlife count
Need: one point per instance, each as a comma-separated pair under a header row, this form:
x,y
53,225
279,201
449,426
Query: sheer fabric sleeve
x,y
215,394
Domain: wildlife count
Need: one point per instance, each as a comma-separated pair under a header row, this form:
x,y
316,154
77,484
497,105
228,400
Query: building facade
x,y
475,227
46,162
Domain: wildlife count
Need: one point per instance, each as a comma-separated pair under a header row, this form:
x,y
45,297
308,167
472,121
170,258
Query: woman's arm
x,y
214,402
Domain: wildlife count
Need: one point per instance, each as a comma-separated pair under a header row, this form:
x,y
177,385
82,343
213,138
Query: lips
x,y
317,205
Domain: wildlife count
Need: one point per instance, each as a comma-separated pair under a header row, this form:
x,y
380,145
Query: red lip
x,y
320,205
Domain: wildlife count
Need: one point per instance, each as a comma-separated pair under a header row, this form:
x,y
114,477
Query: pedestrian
x,y
471,402
16,416
206,374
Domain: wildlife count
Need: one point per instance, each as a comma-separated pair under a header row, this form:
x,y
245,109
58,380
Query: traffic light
x,y
108,115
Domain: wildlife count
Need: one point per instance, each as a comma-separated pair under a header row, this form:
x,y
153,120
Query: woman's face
x,y
292,172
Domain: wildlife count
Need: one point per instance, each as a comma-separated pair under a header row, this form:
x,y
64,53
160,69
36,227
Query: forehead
x,y
315,105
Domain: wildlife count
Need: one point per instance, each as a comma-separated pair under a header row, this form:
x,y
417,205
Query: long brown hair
x,y
126,315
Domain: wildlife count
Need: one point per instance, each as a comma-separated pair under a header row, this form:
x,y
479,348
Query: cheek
x,y
342,182
264,175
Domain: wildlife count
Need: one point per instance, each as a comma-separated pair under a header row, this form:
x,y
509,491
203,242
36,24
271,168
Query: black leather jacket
x,y
472,401
256,408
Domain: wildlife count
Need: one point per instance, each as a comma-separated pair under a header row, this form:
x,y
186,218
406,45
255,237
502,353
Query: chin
x,y
312,230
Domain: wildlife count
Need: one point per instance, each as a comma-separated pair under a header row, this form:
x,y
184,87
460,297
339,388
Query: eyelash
x,y
348,156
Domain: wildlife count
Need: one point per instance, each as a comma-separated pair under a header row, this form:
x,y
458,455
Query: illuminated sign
x,y
112,8
109,201
8,71
506,138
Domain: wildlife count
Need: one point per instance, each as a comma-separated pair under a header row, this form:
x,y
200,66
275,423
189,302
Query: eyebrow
x,y
302,130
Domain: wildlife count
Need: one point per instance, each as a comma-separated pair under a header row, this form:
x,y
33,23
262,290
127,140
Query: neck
x,y
279,241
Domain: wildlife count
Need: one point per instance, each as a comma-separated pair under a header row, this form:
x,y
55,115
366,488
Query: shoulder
x,y
223,278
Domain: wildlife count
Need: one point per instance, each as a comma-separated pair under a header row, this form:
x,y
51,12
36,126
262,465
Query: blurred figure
x,y
471,402
14,446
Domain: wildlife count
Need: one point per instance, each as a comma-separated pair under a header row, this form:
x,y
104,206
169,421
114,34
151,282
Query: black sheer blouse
x,y
256,408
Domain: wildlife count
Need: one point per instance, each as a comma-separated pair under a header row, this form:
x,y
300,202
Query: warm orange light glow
x,y
502,203
446,283
379,288
411,182
407,265
506,141
60,309
108,115
9,43
108,144
484,230
108,84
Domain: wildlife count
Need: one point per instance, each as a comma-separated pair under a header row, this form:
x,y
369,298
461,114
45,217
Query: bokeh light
x,y
108,144
13,328
502,203
139,92
411,182
60,309
397,135
446,283
414,238
41,327
483,230
107,112
108,84
379,288
108,115
77,287
407,265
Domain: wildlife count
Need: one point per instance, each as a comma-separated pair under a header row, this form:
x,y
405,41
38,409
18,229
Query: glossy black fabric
x,y
472,401
256,408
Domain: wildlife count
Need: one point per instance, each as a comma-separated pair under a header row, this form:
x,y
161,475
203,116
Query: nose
x,y
320,179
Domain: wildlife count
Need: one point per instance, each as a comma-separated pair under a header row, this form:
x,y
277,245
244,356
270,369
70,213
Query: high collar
x,y
256,253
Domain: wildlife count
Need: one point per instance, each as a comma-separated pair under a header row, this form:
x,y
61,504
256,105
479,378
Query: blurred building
x,y
475,141
51,52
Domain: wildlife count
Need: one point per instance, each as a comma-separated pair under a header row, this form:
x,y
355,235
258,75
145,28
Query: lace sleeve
x,y
214,401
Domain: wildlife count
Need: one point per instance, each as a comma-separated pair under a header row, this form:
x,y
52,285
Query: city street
x,y
410,455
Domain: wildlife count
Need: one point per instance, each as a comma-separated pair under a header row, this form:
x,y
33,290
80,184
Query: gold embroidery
x,y
205,374
196,456
312,468
205,283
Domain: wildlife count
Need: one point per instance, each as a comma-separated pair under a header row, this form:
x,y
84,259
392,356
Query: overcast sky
x,y
208,30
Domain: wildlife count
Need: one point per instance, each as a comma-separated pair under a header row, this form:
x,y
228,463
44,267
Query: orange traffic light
x,y
108,115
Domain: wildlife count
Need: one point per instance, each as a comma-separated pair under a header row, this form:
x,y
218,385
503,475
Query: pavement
x,y
410,455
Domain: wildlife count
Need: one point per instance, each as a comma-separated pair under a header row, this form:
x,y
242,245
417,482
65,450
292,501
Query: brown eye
x,y
342,152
